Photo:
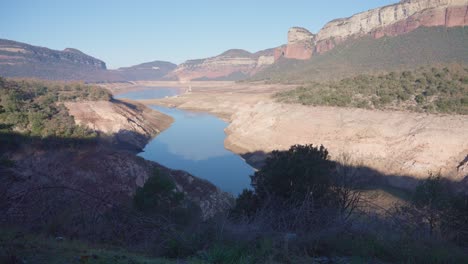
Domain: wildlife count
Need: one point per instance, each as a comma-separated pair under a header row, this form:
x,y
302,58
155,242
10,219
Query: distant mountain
x,y
23,60
234,64
149,71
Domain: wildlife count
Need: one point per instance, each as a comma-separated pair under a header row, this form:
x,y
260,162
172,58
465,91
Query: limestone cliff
x,y
231,65
300,45
391,20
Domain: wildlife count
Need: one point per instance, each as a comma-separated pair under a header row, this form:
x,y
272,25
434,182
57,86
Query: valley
x,y
234,132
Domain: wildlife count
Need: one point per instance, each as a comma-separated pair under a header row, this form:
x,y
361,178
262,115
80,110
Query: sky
x,y
124,33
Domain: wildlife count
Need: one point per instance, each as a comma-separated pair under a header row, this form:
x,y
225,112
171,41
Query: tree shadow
x,y
399,185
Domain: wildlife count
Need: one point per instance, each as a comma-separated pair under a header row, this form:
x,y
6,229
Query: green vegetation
x,y
423,46
36,108
434,90
295,173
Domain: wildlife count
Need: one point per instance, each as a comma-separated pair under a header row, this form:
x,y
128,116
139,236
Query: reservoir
x,y
194,143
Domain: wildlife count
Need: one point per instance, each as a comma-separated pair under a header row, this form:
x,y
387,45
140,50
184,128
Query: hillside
x,y
23,60
423,46
148,71
231,65
432,90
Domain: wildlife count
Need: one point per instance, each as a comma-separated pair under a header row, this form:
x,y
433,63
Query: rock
x,y
300,44
391,20
130,124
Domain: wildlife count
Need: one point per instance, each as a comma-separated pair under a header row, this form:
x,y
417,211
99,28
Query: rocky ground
x,y
402,145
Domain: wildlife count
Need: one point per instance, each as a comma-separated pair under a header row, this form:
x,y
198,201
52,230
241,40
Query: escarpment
x,y
392,20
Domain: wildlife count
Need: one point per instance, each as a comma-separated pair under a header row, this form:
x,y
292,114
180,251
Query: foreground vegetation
x,y
433,90
36,108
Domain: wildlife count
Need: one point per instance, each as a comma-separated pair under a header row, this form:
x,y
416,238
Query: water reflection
x,y
195,143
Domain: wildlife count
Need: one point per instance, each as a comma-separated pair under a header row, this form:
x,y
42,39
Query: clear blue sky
x,y
124,33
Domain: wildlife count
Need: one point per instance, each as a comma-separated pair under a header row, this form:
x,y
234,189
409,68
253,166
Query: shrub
x,y
431,89
295,173
158,194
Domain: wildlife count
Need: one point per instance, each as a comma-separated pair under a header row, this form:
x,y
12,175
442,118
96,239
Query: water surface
x,y
195,143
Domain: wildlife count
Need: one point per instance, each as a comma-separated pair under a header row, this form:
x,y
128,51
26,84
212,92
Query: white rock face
x,y
299,35
368,21
265,60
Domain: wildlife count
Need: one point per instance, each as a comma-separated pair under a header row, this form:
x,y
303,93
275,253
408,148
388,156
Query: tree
x,y
294,174
158,194
432,199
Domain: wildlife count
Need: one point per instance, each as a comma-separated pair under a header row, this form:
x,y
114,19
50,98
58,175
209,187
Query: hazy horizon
x,y
124,34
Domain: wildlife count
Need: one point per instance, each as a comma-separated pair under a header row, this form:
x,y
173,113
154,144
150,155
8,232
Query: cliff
x,y
231,65
392,20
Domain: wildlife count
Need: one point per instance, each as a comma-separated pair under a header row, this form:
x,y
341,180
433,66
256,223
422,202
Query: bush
x,y
158,194
426,89
295,173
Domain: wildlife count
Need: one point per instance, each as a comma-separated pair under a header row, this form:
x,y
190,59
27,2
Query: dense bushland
x,y
433,90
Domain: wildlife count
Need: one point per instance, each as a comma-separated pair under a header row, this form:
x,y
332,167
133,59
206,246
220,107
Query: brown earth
x,y
390,142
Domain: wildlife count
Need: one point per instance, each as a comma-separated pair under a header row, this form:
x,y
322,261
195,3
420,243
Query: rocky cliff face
x,y
230,65
390,20
300,45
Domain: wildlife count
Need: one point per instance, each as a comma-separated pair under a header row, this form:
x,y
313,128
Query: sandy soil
x,y
390,142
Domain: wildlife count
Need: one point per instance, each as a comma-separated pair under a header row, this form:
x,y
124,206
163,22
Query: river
x,y
194,143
